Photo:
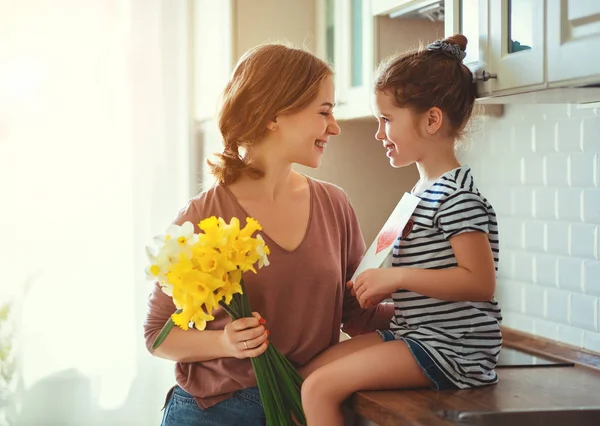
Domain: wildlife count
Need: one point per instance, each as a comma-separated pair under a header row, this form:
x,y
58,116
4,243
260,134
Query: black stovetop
x,y
511,358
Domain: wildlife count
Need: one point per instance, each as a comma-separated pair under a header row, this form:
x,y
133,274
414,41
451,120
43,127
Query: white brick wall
x,y
539,166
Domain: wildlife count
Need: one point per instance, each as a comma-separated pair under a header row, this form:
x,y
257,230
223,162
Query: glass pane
x,y
357,39
520,28
330,31
469,27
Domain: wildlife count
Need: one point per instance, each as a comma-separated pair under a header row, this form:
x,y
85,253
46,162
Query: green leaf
x,y
164,332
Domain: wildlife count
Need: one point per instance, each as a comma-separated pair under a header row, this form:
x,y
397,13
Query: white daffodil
x,y
184,234
262,251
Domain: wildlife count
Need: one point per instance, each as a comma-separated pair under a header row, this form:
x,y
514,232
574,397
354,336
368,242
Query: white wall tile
x,y
557,305
522,138
591,134
557,237
591,205
582,240
523,201
523,262
510,232
508,171
545,267
581,169
544,140
518,321
568,204
534,235
544,203
546,329
584,310
532,170
570,335
510,296
569,274
501,200
591,341
568,136
546,191
591,277
556,168
534,300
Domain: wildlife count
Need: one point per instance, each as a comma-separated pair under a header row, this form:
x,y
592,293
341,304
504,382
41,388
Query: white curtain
x,y
94,160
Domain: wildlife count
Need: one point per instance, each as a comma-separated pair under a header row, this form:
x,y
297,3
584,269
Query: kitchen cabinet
x,y
516,44
532,51
573,38
344,39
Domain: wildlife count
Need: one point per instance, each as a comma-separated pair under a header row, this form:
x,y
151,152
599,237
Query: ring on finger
x,y
246,345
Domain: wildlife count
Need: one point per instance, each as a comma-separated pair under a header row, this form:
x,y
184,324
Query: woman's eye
x,y
385,120
324,114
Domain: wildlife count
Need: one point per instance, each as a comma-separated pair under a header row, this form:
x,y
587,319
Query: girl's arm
x,y
474,279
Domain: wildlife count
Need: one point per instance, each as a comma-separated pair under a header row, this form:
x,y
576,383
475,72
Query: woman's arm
x,y
193,345
474,279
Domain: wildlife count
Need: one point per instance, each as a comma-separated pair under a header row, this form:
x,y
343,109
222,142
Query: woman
x,y
277,111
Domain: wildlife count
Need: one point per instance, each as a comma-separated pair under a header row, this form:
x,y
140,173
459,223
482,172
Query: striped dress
x,y
463,338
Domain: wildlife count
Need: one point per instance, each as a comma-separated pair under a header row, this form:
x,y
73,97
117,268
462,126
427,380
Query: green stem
x,y
164,332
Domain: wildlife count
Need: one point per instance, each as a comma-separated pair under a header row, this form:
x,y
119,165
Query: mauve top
x,y
301,294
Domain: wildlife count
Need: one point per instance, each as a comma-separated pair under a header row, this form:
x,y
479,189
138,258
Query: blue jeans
x,y
242,409
430,369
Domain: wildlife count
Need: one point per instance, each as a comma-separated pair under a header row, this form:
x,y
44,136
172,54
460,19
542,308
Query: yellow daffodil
x,y
200,271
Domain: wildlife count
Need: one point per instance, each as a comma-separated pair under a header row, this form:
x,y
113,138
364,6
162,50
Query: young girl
x,y
445,332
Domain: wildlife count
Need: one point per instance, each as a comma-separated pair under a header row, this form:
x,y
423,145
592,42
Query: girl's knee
x,y
319,386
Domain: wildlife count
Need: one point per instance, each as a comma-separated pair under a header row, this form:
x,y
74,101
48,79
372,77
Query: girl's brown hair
x,y
269,80
432,77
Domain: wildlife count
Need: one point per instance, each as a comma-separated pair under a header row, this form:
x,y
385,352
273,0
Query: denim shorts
x,y
242,409
429,367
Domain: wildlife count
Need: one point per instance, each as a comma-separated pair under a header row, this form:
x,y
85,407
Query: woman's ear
x,y
434,118
272,125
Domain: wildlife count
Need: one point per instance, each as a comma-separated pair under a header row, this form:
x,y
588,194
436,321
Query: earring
x,y
431,129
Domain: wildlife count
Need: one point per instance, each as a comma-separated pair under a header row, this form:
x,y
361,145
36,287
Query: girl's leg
x,y
340,350
382,365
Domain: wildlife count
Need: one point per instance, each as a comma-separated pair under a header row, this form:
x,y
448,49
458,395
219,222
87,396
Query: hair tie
x,y
453,49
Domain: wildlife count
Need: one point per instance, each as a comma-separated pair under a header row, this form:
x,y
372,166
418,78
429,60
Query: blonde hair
x,y
268,80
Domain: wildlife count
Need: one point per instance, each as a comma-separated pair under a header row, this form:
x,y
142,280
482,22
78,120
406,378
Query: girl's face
x,y
306,133
398,129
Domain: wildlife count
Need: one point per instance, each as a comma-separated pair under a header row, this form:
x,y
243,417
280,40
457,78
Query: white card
x,y
392,229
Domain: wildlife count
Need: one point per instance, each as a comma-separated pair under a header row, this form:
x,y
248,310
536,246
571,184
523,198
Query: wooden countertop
x,y
518,388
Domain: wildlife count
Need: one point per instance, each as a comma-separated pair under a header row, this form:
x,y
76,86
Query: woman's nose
x,y
334,128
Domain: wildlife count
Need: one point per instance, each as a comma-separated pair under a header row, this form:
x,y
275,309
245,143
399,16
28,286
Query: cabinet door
x,y
470,18
516,43
573,39
355,66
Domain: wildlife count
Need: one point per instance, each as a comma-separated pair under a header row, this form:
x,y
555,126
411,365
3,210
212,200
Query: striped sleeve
x,y
462,211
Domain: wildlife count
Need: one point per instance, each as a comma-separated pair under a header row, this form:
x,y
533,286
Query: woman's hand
x,y
374,285
246,337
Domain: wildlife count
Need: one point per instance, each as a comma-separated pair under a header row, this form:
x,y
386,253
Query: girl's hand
x,y
375,285
246,337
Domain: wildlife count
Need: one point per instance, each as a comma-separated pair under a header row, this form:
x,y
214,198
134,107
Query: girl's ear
x,y
434,118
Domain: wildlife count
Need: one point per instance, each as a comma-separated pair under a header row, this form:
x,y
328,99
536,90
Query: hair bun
x,y
458,40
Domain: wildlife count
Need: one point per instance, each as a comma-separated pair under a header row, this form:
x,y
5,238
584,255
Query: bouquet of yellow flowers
x,y
203,272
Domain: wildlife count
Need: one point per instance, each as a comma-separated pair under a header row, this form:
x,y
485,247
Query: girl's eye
x,y
324,114
385,120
